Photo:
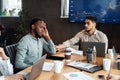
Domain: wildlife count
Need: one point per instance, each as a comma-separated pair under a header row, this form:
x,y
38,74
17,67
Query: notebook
x,y
36,69
100,47
85,66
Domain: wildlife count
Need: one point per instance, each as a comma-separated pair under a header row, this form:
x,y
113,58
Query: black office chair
x,y
10,51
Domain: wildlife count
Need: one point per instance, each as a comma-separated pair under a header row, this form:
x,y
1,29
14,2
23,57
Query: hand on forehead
x,y
42,23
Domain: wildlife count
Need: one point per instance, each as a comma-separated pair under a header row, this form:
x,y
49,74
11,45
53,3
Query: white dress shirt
x,y
6,68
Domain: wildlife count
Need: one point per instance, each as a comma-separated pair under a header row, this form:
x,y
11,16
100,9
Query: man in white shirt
x,y
6,68
88,34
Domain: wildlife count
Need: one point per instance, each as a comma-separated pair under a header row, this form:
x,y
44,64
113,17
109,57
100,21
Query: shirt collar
x,y
33,36
95,31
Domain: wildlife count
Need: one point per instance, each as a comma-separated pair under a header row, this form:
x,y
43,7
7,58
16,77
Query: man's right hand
x,y
60,47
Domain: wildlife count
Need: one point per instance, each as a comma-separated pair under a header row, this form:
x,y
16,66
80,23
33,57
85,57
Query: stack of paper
x,y
73,51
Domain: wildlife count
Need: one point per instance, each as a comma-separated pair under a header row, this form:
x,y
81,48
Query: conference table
x,y
51,75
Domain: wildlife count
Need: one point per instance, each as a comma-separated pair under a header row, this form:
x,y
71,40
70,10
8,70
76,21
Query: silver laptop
x,y
100,47
36,69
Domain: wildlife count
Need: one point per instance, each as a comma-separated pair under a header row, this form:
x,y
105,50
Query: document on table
x,y
81,65
77,76
47,66
73,51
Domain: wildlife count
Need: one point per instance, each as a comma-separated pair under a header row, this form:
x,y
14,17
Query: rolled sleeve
x,y
67,43
6,67
49,46
73,40
10,66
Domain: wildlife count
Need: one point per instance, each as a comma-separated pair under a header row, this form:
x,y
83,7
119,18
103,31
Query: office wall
x,y
11,23
59,29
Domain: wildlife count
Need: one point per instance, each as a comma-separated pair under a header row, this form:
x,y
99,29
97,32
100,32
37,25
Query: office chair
x,y
10,51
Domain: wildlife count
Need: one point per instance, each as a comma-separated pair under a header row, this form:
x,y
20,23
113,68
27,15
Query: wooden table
x,y
55,76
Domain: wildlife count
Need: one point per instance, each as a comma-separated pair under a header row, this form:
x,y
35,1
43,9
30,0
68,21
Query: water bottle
x,y
94,54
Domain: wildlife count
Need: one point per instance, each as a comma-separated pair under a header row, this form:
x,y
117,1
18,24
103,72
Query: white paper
x,y
47,66
81,64
73,51
77,76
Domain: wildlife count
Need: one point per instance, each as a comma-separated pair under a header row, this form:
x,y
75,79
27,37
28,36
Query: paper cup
x,y
106,64
58,65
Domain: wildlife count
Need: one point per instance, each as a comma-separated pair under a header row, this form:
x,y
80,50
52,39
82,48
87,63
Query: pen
x,y
109,72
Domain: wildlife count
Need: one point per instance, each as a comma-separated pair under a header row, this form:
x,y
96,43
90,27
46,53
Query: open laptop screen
x,y
100,47
37,68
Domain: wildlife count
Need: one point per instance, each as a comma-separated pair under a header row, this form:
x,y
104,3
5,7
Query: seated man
x,y
30,47
6,68
89,34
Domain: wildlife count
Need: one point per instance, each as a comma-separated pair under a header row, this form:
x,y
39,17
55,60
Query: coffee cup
x,y
67,55
58,65
118,64
110,53
106,64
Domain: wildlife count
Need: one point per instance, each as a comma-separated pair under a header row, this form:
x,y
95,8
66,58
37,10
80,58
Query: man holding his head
x,y
89,34
30,47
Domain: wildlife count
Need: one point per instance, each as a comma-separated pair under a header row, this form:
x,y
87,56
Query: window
x,y
10,7
64,8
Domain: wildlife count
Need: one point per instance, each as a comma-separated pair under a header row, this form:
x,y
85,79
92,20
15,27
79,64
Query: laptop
x,y
100,47
36,69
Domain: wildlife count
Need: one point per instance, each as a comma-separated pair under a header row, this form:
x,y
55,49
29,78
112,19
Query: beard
x,y
88,30
37,34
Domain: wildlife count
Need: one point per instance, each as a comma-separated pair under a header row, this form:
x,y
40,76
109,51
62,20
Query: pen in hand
x,y
108,77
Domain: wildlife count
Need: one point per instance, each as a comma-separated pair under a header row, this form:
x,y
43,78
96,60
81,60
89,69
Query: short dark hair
x,y
34,20
92,18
